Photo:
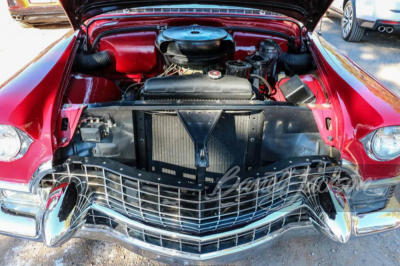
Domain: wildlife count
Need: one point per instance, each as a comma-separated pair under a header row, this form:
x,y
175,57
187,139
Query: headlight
x,y
383,144
13,143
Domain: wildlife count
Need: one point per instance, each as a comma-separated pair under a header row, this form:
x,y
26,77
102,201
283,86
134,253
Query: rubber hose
x,y
297,63
85,63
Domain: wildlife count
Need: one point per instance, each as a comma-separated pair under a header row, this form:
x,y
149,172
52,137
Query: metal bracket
x,y
72,112
141,140
200,125
255,140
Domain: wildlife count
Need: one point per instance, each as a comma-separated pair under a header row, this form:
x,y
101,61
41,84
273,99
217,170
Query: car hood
x,y
309,12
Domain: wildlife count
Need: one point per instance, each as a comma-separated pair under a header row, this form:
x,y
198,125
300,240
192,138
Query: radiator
x,y
171,150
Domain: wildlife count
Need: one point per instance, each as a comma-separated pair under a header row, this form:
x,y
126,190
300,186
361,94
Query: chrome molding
x,y
4,185
62,217
334,214
204,239
17,225
380,221
43,170
181,258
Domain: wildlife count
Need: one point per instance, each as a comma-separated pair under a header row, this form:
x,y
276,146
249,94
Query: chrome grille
x,y
195,210
96,218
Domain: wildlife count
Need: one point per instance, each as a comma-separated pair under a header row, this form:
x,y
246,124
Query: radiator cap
x,y
214,74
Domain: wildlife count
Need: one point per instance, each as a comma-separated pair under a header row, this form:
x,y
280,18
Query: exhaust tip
x,y
382,29
389,30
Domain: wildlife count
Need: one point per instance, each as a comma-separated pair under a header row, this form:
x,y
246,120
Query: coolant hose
x,y
297,63
86,63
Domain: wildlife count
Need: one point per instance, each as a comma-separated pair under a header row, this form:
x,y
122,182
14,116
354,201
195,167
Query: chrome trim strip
x,y
270,218
43,170
20,187
182,258
18,225
365,224
379,221
388,182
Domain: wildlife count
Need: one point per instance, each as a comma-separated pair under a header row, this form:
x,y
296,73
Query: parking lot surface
x,y
378,54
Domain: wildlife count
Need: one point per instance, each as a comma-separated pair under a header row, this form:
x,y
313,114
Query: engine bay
x,y
193,101
220,65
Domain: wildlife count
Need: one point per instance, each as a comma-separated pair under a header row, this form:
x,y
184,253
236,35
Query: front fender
x,y
31,100
361,104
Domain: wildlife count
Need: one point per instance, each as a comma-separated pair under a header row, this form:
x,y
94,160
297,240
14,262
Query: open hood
x,y
309,12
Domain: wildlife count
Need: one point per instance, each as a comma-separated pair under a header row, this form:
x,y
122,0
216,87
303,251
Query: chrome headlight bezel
x,y
369,141
24,143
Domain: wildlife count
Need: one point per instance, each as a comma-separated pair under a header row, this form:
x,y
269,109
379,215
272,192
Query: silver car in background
x,y
361,15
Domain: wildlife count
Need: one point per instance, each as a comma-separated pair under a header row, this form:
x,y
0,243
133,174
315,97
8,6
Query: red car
x,y
35,13
196,133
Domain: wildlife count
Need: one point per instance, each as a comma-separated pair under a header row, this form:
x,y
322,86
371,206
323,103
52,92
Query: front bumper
x,y
27,228
105,222
40,14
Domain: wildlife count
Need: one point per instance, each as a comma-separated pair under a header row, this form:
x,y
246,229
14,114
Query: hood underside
x,y
309,12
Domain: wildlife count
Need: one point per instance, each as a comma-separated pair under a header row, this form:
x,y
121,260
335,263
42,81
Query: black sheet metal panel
x,y
227,105
200,125
141,140
290,132
118,144
286,131
171,150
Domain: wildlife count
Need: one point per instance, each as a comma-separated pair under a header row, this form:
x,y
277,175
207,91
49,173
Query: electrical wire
x,y
133,85
264,81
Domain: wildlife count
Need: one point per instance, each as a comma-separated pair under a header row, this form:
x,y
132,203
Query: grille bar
x,y
197,247
190,210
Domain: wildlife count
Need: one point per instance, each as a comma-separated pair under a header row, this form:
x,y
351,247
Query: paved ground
x,y
378,54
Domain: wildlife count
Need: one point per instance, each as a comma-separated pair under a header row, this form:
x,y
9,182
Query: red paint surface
x,y
133,52
312,82
89,89
30,101
361,105
286,27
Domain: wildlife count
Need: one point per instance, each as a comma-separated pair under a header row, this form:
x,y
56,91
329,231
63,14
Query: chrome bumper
x,y
89,219
220,258
29,228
